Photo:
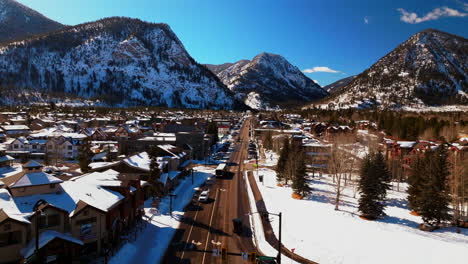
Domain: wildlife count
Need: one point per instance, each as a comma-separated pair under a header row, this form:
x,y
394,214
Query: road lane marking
x,y
209,230
190,233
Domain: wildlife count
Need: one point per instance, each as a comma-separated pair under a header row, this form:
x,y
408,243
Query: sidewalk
x,y
151,244
269,235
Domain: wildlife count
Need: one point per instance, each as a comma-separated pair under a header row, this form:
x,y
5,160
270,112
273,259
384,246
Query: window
x,y
52,185
15,146
10,238
86,221
86,229
34,146
47,221
70,147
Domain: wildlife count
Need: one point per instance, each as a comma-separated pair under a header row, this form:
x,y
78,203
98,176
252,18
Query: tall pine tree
x,y
300,184
373,186
435,195
85,156
155,185
416,182
282,162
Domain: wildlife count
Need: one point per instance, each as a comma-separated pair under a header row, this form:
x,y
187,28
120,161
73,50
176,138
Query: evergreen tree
x,y
268,141
156,187
300,184
435,196
282,162
85,156
373,186
416,181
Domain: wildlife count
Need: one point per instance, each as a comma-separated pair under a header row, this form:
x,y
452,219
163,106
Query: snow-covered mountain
x,y
430,68
120,61
268,80
336,86
18,22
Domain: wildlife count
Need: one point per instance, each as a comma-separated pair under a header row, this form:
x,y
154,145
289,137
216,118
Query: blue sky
x,y
344,36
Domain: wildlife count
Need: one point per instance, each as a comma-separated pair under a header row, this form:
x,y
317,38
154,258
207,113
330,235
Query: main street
x,y
208,226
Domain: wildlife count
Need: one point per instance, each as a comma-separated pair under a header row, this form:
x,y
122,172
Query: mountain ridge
x,y
268,81
18,21
430,68
124,60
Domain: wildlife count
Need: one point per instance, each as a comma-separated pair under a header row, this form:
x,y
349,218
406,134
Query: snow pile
x,y
320,233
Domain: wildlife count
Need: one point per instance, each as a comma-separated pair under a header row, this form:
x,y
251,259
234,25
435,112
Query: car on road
x,y
204,196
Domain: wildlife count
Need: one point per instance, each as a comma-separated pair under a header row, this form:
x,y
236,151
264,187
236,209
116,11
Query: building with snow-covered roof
x,y
87,210
16,130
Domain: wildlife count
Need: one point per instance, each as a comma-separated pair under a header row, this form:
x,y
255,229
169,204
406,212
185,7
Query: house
x,y
5,160
32,180
74,222
96,134
16,130
127,132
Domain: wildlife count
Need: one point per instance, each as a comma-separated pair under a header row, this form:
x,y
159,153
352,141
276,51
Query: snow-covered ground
x,y
259,235
320,233
153,241
271,158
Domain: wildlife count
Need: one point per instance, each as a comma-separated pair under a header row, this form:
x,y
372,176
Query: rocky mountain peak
x,y
18,21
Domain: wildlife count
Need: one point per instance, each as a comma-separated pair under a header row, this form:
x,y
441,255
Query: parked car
x,y
204,196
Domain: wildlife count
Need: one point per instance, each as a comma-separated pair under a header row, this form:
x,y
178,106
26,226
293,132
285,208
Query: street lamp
x,y
265,214
37,214
171,195
191,172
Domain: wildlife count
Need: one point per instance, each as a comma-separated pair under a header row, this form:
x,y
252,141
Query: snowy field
x,y
320,233
153,241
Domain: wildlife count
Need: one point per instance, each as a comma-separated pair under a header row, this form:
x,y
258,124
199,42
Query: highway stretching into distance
x,y
208,226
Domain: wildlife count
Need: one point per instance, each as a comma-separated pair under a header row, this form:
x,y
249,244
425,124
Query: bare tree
x,y
458,182
339,165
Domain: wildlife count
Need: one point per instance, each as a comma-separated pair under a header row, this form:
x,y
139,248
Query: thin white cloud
x,y
366,20
320,69
413,18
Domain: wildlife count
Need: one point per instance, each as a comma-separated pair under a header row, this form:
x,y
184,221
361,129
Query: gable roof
x,y
34,179
45,238
32,164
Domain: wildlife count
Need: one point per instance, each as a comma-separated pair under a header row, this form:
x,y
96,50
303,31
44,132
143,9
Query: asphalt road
x,y
208,226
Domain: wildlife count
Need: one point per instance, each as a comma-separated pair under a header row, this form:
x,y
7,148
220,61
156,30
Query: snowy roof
x,y
45,238
15,127
8,205
406,144
99,156
6,158
140,161
32,164
97,165
10,171
35,178
72,192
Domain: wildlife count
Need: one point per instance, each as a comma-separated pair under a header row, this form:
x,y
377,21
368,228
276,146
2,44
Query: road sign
x,y
215,252
244,256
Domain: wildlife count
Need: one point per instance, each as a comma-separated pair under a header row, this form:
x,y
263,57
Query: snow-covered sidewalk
x,y
321,234
256,222
152,243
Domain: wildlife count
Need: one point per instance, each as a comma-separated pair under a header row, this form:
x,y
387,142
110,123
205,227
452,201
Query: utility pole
x,y
170,202
279,240
191,170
